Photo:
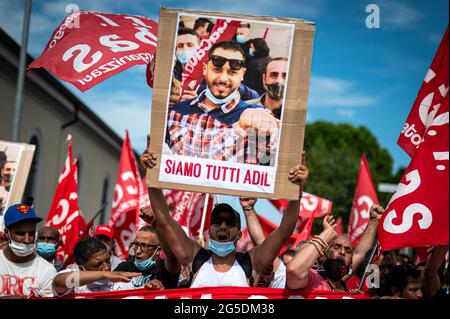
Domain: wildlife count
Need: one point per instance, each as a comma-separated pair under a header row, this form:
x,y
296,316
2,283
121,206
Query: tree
x,y
333,155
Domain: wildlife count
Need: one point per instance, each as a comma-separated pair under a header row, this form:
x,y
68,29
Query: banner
x,y
418,212
126,203
88,47
365,197
192,75
423,118
64,213
219,293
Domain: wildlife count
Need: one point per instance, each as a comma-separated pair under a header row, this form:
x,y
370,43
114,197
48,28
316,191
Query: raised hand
x,y
299,174
148,158
146,214
259,120
247,202
376,212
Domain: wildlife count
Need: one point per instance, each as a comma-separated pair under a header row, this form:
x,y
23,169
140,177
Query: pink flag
x,y
417,214
89,47
365,197
423,117
127,195
64,213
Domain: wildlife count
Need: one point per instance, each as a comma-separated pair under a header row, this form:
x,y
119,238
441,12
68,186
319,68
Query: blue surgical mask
x,y
251,52
144,265
185,56
45,249
240,39
221,249
225,100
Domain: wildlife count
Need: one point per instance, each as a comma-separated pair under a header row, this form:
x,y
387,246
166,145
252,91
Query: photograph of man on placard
x,y
226,100
9,156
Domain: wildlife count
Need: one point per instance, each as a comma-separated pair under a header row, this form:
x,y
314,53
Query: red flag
x,y
64,213
89,47
339,227
127,194
305,234
365,197
308,204
188,210
245,243
192,75
417,214
423,114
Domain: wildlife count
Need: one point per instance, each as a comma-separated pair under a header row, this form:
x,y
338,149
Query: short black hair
x,y
261,47
398,277
227,45
85,248
244,25
200,22
148,228
279,58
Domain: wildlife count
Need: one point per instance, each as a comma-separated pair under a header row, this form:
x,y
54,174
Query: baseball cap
x,y
19,212
104,230
220,208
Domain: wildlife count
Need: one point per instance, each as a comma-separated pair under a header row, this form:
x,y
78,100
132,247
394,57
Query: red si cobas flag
x,y
126,203
417,214
89,47
64,213
365,197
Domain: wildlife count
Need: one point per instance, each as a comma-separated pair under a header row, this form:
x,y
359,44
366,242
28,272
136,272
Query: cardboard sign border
x,y
296,100
20,179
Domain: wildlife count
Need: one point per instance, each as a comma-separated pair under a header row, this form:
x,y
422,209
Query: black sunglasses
x,y
229,221
219,61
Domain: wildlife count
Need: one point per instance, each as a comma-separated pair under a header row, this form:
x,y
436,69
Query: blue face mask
x,y
144,265
221,249
251,52
185,56
45,249
240,39
225,100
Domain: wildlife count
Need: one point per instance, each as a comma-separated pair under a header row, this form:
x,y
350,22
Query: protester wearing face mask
x,y
243,33
7,172
47,244
221,264
106,234
146,261
257,54
274,81
92,271
22,272
341,258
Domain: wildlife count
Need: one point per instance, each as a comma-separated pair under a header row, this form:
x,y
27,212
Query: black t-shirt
x,y
157,271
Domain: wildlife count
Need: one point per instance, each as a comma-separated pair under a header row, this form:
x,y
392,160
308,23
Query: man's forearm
x,y
368,238
254,227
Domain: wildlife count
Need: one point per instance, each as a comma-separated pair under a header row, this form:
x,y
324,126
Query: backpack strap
x,y
202,256
246,264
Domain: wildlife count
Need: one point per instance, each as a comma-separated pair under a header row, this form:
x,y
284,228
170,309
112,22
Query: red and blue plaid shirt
x,y
193,130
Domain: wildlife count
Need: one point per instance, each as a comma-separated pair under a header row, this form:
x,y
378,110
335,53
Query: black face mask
x,y
8,177
275,90
335,269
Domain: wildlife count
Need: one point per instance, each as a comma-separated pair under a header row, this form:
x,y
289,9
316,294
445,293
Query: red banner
x,y
424,112
192,75
127,195
64,213
309,204
418,212
365,197
188,210
88,47
220,293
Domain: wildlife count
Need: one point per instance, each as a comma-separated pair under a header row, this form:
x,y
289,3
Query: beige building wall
x,y
47,106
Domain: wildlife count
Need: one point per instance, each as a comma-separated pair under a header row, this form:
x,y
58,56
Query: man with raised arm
x,y
221,265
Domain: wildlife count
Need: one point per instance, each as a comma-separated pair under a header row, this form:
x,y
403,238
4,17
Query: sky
x,y
359,76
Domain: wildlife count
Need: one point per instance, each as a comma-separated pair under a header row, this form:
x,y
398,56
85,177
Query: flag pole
x,y
375,249
202,224
217,196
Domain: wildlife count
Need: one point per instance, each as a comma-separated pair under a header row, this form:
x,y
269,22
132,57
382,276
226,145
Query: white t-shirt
x,y
25,279
279,278
207,276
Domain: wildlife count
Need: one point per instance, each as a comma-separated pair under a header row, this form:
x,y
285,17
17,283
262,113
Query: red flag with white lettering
x,y
64,213
418,212
89,47
127,194
365,197
423,117
192,75
309,203
339,227
188,210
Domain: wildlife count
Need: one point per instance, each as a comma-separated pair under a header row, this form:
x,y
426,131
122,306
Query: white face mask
x,y
21,250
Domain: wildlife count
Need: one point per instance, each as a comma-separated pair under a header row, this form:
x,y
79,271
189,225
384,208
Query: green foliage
x,y
333,154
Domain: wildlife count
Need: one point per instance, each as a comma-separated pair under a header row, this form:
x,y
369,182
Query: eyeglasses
x,y
229,221
219,61
136,245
